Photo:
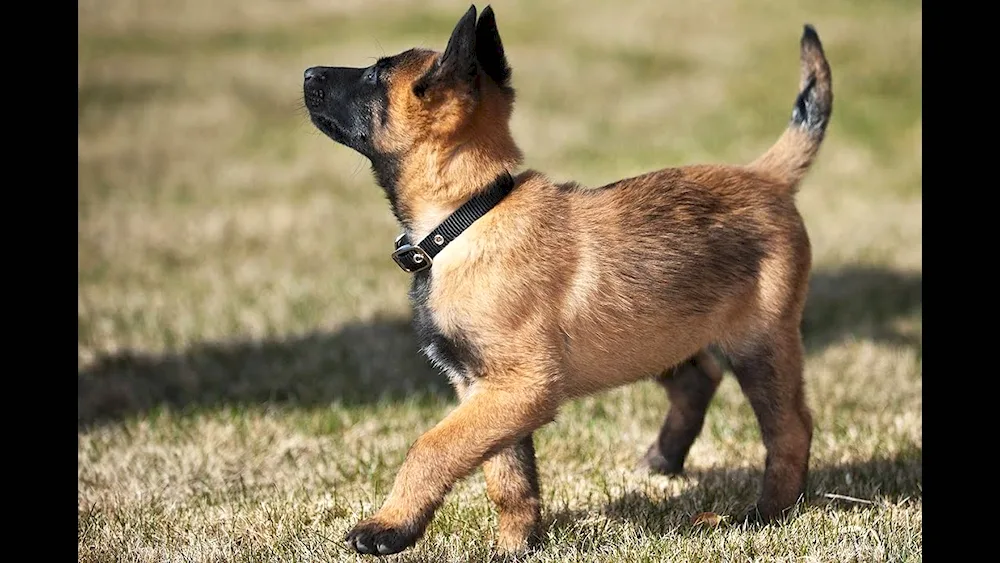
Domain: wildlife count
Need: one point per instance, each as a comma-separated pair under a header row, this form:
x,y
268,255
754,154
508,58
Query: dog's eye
x,y
371,75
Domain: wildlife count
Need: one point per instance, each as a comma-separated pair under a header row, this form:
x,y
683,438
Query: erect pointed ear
x,y
457,65
489,49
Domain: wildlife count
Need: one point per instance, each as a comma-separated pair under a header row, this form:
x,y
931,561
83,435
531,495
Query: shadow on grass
x,y
367,362
731,492
358,364
862,303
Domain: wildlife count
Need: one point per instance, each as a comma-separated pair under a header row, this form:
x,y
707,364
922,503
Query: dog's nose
x,y
313,73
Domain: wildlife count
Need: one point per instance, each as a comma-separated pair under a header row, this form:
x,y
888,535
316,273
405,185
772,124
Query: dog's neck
x,y
439,182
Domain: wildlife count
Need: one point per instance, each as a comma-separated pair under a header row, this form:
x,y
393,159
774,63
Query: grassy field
x,y
247,380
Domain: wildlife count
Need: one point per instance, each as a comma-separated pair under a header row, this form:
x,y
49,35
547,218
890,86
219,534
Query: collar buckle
x,y
411,258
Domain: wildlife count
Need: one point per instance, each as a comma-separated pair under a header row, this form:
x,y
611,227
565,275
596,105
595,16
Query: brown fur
x,y
564,291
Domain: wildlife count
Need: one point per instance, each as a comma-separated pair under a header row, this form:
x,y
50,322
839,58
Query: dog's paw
x,y
753,518
375,538
758,516
515,546
655,463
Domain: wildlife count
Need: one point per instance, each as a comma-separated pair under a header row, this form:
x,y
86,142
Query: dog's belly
x,y
599,358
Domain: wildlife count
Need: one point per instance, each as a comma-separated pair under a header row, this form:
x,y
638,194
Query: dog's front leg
x,y
512,485
490,418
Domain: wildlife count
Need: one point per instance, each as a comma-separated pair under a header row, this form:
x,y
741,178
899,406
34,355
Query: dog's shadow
x,y
863,303
871,485
363,363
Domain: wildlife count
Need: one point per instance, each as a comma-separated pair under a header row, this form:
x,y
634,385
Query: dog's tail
x,y
790,157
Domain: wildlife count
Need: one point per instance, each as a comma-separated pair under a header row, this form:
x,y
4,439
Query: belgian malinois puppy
x,y
527,293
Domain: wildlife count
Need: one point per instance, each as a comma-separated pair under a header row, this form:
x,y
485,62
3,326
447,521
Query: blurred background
x,y
232,259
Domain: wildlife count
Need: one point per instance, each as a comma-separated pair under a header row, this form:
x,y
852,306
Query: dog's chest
x,y
454,355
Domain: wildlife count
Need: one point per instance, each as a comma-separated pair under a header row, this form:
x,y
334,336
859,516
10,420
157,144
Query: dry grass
x,y
248,383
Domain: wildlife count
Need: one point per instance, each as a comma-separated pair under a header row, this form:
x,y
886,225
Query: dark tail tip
x,y
809,34
810,40
814,102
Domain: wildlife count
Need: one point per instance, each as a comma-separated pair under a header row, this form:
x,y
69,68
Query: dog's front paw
x,y
376,538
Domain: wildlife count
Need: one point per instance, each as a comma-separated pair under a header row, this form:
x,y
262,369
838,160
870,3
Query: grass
x,y
247,380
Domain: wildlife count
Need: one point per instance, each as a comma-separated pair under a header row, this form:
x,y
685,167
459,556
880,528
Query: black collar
x,y
416,258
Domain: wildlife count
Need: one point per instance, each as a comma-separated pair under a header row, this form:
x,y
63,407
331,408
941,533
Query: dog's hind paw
x,y
655,463
758,517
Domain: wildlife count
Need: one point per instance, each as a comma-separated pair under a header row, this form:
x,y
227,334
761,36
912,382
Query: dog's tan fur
x,y
565,291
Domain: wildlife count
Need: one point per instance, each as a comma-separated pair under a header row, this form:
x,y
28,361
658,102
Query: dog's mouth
x,y
324,123
328,126
340,134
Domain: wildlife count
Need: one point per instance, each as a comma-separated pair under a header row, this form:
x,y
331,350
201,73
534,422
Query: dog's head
x,y
418,102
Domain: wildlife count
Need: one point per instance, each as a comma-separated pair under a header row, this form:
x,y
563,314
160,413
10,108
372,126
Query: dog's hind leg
x,y
770,374
690,387
512,485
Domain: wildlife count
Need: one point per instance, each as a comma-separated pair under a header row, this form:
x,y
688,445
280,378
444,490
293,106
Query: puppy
x,y
528,293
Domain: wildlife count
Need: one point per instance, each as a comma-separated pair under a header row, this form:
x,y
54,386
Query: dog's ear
x,y
457,66
489,49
